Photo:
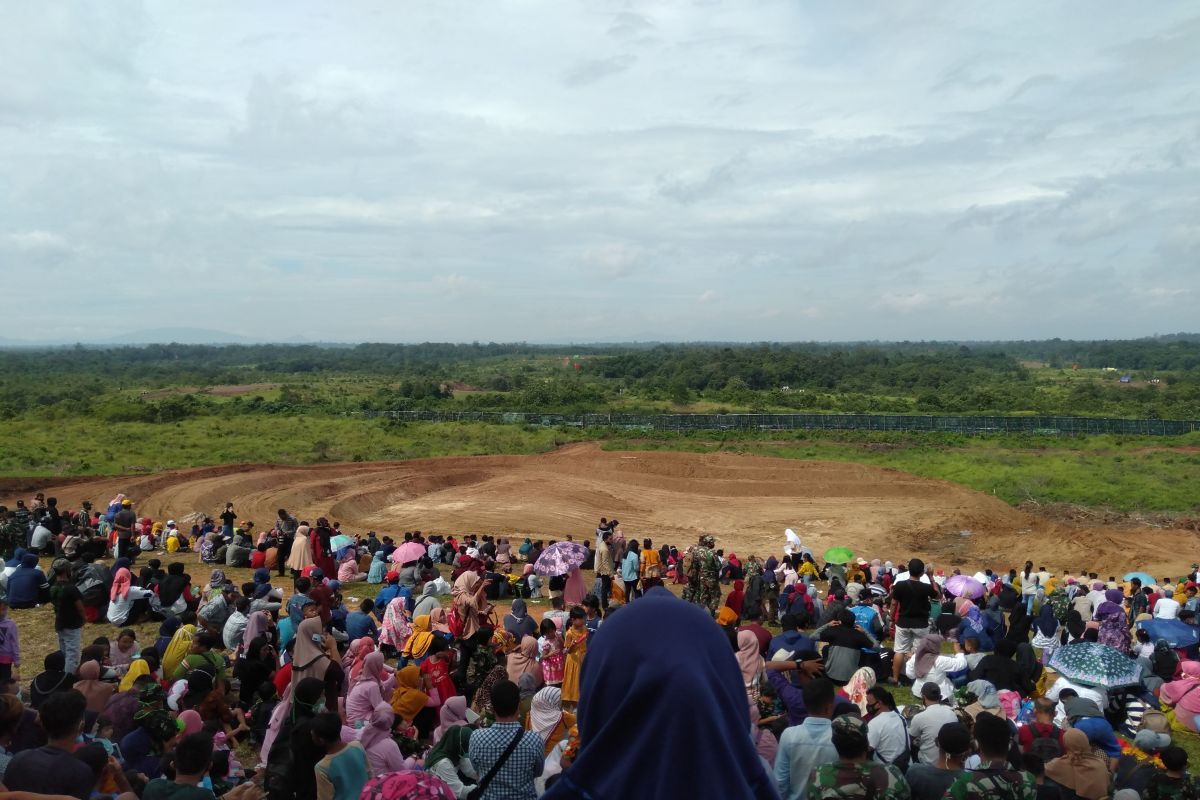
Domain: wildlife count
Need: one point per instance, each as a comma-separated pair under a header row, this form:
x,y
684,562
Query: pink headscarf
x,y
191,721
122,580
749,659
764,741
366,646
396,628
1179,693
454,712
383,753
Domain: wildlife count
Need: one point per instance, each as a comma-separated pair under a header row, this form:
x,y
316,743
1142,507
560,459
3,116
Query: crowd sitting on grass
x,y
781,677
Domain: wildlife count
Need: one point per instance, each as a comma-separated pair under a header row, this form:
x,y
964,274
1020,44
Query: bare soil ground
x,y
745,501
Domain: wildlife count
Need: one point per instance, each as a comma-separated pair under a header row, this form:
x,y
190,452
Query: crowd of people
x,y
769,678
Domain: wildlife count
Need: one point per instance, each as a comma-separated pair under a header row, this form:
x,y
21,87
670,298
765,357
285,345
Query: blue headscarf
x,y
18,556
663,710
262,575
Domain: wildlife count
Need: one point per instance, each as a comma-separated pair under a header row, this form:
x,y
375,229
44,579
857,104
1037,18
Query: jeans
x,y
68,642
1030,599
630,590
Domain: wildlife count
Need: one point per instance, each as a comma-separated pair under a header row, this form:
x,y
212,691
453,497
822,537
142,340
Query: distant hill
x,y
177,335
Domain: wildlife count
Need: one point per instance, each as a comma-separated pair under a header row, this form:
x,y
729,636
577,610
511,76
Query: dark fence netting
x,y
830,422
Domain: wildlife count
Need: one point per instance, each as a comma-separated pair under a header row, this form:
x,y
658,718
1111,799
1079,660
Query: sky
x,y
590,171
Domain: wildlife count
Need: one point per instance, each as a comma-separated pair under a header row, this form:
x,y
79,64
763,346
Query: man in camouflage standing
x,y
703,570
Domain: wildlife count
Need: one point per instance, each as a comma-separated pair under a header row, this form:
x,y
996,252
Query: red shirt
x,y
283,676
1026,737
258,559
439,677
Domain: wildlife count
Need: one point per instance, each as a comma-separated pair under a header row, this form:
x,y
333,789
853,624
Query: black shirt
x,y
1001,672
48,770
228,517
125,520
914,598
66,613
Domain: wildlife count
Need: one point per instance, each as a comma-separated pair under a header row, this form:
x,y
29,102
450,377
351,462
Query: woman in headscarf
x,y
374,684
1019,624
1183,695
347,571
750,662
383,754
53,678
396,628
178,649
259,624
688,668
448,761
1114,625
416,647
503,556
859,684
523,661
378,567
518,622
208,547
356,656
1045,632
321,551
137,668
428,600
301,555
315,656
288,749
408,701
972,626
256,666
547,718
574,591
470,602
94,690
453,712
928,665
440,621
174,591
1080,769
737,597
165,631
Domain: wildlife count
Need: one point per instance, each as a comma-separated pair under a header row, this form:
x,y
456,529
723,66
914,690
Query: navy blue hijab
x,y
663,710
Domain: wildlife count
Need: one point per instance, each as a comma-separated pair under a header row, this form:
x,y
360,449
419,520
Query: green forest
x,y
1151,378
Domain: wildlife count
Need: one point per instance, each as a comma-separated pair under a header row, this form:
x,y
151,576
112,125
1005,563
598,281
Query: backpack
x,y
455,623
1045,747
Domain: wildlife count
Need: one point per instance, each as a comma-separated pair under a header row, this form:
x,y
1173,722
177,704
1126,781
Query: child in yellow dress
x,y
575,645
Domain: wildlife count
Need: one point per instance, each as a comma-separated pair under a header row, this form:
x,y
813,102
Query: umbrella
x,y
964,586
792,537
559,558
1177,633
1095,664
340,541
409,551
1147,580
839,555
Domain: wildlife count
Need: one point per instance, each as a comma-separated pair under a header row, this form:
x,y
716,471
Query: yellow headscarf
x,y
726,616
422,636
408,700
177,650
137,669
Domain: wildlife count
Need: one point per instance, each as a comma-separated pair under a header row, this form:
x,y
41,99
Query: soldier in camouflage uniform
x,y
1174,783
12,535
854,774
703,570
993,780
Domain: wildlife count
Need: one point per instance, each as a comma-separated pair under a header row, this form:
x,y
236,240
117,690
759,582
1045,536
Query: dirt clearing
x,y
745,501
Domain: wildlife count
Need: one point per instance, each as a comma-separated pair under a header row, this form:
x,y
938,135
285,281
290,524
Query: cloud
x,y
592,71
708,296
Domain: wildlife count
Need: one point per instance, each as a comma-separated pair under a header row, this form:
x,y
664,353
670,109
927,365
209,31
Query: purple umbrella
x,y
560,558
964,586
409,551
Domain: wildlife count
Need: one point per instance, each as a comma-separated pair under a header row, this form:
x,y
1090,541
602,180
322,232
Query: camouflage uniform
x,y
844,779
703,570
12,536
993,784
1164,787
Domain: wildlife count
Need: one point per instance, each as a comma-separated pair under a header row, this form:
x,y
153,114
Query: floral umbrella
x,y
1095,664
560,558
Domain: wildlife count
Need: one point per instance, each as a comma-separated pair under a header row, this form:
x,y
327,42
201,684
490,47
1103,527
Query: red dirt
x,y
745,501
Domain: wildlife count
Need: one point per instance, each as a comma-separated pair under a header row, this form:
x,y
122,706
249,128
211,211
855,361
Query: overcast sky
x,y
591,171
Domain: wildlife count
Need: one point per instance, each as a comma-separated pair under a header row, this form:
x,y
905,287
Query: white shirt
x,y
446,771
41,537
938,673
887,735
1166,608
118,610
924,730
1086,692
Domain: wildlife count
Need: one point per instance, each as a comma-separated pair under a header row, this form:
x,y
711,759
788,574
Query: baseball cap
x,y
1151,742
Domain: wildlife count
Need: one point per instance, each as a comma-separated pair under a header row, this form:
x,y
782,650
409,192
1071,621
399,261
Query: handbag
x,y
482,786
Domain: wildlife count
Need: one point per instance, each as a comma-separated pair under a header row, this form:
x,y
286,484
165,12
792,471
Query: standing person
x,y
123,522
913,597
227,518
702,569
575,644
808,745
68,614
605,568
631,566
285,527
507,757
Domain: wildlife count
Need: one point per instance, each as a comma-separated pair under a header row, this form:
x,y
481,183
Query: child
x,y
550,653
10,647
265,700
575,644
68,615
123,649
343,772
1144,647
1174,782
